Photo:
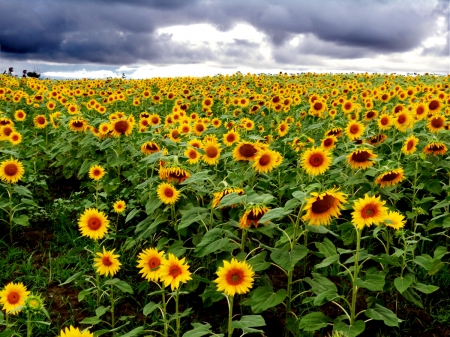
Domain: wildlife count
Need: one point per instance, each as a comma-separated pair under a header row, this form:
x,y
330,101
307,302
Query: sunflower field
x,y
272,205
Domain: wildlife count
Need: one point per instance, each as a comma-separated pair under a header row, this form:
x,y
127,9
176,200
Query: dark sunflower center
x,y
348,106
231,138
174,271
361,157
318,106
151,147
199,127
94,223
264,160
323,205
328,142
175,134
369,211
401,119
410,145
106,261
41,120
235,277
436,147
154,262
384,121
13,297
193,154
316,160
211,152
168,192
420,110
121,126
247,150
384,97
354,129
390,176
370,114
11,170
97,172
437,122
433,105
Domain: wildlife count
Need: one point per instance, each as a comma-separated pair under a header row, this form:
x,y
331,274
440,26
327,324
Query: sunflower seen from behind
x,y
107,262
235,277
13,296
93,224
174,271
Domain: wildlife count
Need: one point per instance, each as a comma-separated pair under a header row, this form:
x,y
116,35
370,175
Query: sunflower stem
x,y
230,315
177,295
10,214
243,238
97,276
28,324
164,313
288,299
113,322
355,277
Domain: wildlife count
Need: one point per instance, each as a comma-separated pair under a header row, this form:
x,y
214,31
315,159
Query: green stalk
x,y
230,315
28,324
113,322
243,238
164,314
10,214
97,276
176,313
355,277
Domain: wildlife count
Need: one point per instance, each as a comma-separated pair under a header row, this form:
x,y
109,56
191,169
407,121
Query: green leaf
x,y
232,199
91,320
426,288
374,282
326,247
314,321
101,311
258,262
264,298
82,294
122,285
22,220
288,259
350,330
197,177
135,332
199,330
325,296
381,313
276,213
320,284
150,307
212,241
326,262
440,252
152,205
195,214
132,214
403,283
412,296
22,190
8,333
248,322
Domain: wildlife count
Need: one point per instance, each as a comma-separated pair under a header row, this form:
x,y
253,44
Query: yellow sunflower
x,y
235,277
231,137
245,151
385,121
96,172
361,159
93,224
40,121
354,130
149,148
107,262
329,143
150,261
395,220
193,155
436,123
173,271
390,178
316,161
403,121
368,211
173,173
212,152
252,215
119,206
11,171
434,148
15,138
266,161
167,193
377,139
320,208
121,126
218,196
13,296
20,115
410,145
78,124
75,332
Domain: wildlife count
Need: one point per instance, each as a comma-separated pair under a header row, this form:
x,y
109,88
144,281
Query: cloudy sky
x,y
148,38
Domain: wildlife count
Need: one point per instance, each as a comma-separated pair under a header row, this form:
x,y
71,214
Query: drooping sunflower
x,y
193,155
235,277
218,196
385,121
329,143
368,211
75,332
395,220
93,224
436,123
13,296
121,126
11,171
167,193
361,159
149,148
173,271
354,130
390,178
252,215
119,206
212,152
320,208
316,161
410,145
107,262
377,139
434,148
173,173
150,261
266,161
96,172
78,124
40,121
337,132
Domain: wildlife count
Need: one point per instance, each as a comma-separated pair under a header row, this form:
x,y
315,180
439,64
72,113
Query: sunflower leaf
x,y
381,313
314,321
288,259
232,199
264,298
276,213
350,330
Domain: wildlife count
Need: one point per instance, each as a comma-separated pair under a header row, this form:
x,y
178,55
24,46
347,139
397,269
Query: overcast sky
x,y
148,38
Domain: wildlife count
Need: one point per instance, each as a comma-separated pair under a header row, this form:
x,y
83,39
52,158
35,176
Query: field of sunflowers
x,y
271,205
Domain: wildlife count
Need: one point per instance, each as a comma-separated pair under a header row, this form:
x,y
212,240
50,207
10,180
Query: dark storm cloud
x,y
123,31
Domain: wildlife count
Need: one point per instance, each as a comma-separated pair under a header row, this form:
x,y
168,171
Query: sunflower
x,y
107,263
119,206
434,148
266,161
321,207
174,173
173,271
436,123
248,124
420,111
13,296
317,107
361,159
337,132
40,121
231,137
193,155
316,161
354,130
199,128
403,121
93,224
218,196
149,148
212,152
121,126
395,220
385,122
434,106
410,145
167,193
348,107
368,211
377,139
75,332
282,129
370,115
20,115
34,303
11,171
245,151
96,172
234,277
15,138
155,119
329,143
252,214
150,261
390,178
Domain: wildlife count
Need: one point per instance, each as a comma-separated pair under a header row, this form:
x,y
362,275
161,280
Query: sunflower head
x,y
395,220
167,193
361,159
96,172
119,206
390,178
218,196
410,144
11,171
234,277
252,215
107,262
172,172
316,161
34,303
174,271
75,332
321,207
150,260
93,224
368,211
13,297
